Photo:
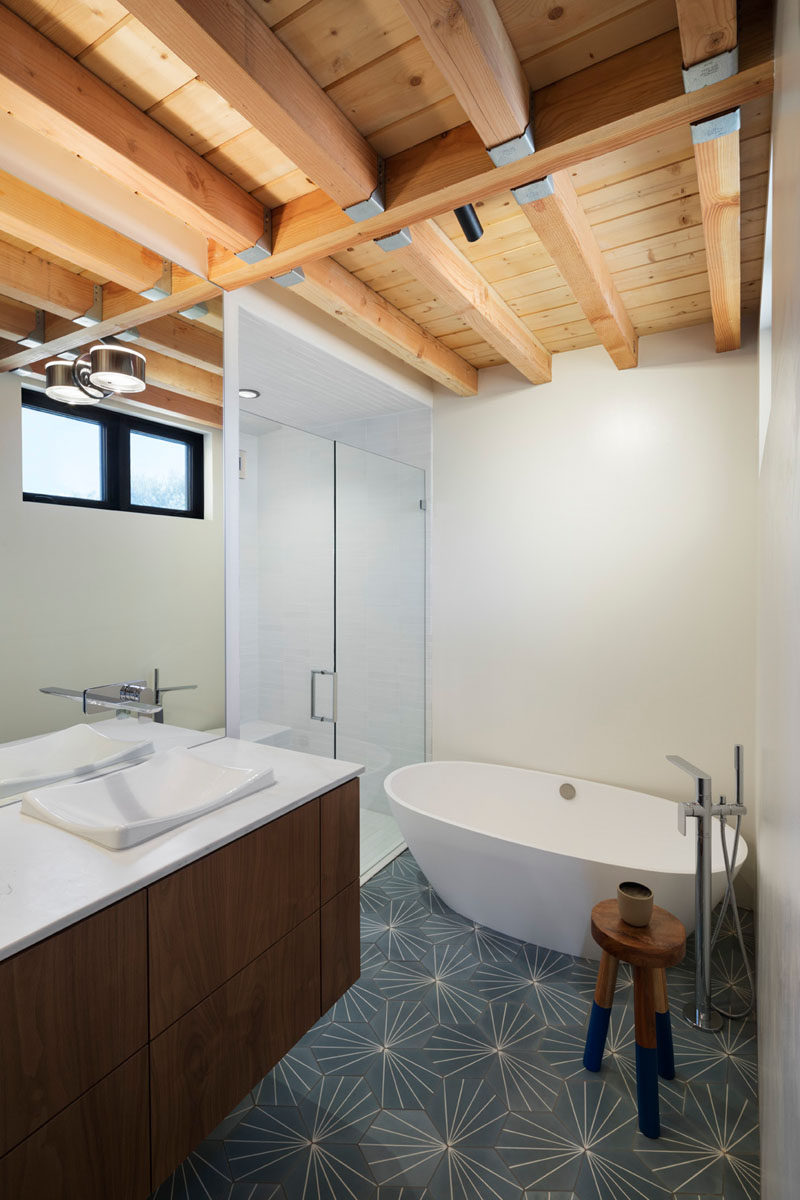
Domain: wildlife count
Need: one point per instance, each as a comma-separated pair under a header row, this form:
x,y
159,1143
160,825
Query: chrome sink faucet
x,y
131,698
700,1011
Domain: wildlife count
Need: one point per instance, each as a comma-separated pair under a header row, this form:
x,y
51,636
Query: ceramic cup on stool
x,y
635,902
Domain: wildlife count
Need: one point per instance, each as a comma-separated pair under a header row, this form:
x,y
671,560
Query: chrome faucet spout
x,y
128,697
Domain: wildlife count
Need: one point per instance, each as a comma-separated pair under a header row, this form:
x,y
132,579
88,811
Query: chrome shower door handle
x,y
314,673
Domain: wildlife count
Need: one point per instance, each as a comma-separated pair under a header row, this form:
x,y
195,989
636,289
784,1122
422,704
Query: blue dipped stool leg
x,y
644,1010
601,1012
666,1056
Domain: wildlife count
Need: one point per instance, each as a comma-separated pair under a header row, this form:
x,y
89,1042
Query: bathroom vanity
x,y
143,993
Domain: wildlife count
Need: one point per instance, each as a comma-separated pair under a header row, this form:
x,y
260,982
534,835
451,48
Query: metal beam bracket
x,y
163,286
515,148
195,312
716,127
537,190
711,70
93,315
263,247
128,335
36,337
374,204
290,278
395,241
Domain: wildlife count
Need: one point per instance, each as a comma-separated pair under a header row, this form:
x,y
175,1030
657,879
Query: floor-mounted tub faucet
x,y
700,1012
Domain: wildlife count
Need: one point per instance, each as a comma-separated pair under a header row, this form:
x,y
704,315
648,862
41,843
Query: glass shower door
x,y
380,631
287,587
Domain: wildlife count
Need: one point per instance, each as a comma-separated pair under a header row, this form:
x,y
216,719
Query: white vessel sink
x,y
141,802
64,754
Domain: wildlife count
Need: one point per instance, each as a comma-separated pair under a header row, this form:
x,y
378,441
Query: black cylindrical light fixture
x,y
468,220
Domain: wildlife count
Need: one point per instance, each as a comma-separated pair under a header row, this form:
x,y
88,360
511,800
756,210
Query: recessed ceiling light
x,y
248,394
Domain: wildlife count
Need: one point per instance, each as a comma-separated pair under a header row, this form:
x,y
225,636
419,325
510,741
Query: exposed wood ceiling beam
x,y
470,46
707,28
33,216
629,97
188,341
33,280
434,260
51,92
472,49
176,376
333,289
230,47
563,228
717,164
16,320
125,309
178,406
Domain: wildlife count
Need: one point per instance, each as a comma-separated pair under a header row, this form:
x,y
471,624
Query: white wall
x,y
779,657
90,596
593,566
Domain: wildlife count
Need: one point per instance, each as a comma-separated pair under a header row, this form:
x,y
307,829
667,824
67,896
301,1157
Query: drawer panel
x,y
339,825
72,1008
208,920
95,1149
340,941
203,1065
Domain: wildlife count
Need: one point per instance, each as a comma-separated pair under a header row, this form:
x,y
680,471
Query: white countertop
x,y
49,878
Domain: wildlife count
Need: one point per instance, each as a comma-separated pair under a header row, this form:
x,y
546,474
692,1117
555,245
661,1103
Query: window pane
x,y
159,472
61,455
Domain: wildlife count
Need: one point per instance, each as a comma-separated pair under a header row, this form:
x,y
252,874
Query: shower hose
x,y
730,899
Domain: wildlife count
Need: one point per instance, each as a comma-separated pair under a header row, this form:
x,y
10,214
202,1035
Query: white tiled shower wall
x,y
285,595
406,437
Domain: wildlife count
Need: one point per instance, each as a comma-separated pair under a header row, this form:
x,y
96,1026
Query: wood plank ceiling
x,y
228,113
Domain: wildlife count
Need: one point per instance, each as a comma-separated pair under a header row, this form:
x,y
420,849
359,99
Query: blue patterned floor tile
x,y
466,1112
453,1070
275,1146
486,944
205,1173
339,1108
397,929
290,1080
712,1147
729,1056
256,1191
473,1173
540,978
226,1127
539,1151
361,1002
441,979
403,1148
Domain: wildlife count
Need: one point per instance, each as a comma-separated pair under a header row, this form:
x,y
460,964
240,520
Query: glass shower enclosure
x,y
332,609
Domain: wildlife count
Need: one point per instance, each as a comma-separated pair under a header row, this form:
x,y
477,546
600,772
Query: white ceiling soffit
x,y
49,167
385,383
308,387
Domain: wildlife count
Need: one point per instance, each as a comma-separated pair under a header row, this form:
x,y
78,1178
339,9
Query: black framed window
x,y
98,458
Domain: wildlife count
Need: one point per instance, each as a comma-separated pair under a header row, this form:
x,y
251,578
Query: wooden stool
x,y
649,950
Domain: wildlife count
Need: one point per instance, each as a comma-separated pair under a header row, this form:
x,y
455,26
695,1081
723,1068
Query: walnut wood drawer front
x,y
339,822
210,919
72,1008
340,944
203,1064
96,1149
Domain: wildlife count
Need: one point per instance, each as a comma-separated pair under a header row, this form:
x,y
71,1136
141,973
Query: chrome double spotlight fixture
x,y
104,372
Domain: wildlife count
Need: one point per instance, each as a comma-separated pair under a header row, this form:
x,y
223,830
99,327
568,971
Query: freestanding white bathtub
x,y
502,847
